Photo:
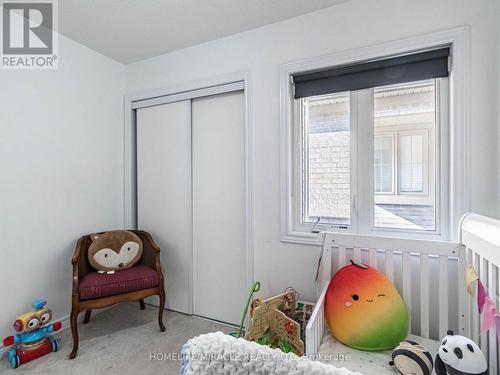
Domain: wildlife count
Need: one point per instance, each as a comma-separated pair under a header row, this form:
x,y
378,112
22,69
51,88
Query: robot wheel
x,y
14,361
55,345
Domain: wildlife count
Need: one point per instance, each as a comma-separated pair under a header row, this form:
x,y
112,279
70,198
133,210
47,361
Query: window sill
x,y
302,238
314,239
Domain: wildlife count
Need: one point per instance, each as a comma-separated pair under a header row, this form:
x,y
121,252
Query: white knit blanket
x,y
218,353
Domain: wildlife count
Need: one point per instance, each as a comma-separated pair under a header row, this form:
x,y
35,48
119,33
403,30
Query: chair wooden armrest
x,y
151,255
75,261
80,262
150,240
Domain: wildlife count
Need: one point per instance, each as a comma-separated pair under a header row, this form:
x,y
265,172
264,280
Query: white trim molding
x,y
458,193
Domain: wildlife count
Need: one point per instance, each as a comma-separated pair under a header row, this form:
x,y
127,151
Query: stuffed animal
x,y
459,355
364,310
32,339
411,358
114,250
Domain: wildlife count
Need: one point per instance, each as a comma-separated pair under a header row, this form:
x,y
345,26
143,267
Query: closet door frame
x,y
239,81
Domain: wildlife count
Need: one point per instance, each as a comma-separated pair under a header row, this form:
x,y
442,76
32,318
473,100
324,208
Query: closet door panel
x,y
219,236
164,192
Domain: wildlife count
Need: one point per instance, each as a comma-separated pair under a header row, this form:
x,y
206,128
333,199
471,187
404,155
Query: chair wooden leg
x,y
141,303
74,331
160,312
87,316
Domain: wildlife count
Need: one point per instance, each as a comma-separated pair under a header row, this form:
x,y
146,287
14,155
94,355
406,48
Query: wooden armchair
x,y
96,291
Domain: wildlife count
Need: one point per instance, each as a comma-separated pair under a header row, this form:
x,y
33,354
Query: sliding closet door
x,y
164,191
219,255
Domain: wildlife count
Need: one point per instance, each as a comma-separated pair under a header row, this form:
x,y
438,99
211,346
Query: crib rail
x,y
480,236
425,273
316,327
430,277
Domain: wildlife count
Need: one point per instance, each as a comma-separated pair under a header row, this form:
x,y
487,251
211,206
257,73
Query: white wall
x,y
353,24
61,168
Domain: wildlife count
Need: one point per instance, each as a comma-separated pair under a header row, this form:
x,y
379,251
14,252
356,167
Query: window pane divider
x,y
364,165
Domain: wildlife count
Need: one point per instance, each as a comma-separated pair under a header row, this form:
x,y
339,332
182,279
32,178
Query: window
x,y
400,121
403,163
362,74
327,159
367,146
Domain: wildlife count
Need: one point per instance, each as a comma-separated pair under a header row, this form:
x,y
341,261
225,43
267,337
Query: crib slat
x,y
357,255
497,283
492,339
471,301
373,258
475,313
484,279
462,294
406,277
389,265
341,256
424,295
317,333
322,326
443,296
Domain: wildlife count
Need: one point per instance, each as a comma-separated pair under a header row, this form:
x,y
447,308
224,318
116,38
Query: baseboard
x,y
231,325
65,324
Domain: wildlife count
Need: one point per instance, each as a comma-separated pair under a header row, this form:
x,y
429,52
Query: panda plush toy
x,y
459,355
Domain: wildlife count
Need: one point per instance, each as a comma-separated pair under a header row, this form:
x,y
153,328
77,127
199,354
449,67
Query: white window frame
x,y
452,198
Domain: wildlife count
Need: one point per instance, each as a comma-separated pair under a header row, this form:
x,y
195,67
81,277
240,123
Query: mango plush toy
x,y
114,250
364,310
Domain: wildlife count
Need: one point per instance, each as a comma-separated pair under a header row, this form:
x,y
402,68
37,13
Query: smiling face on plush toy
x,y
114,250
364,310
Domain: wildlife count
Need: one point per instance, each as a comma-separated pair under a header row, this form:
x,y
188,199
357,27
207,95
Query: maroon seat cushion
x,y
96,285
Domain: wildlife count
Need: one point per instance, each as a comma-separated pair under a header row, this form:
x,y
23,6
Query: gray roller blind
x,y
400,69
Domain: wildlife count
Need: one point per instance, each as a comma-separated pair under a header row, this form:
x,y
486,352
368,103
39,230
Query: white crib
x,y
430,275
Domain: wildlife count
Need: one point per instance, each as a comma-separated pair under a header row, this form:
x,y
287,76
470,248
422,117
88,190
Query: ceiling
x,y
133,30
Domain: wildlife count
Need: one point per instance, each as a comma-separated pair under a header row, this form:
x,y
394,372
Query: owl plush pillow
x,y
114,250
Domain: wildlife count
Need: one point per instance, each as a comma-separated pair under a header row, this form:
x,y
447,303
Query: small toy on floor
x,y
32,339
271,326
255,289
411,358
459,355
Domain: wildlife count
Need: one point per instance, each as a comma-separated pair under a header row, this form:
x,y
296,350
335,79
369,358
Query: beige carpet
x,y
122,340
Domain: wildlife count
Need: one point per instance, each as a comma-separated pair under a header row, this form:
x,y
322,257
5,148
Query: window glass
x,y
327,159
411,164
383,164
404,181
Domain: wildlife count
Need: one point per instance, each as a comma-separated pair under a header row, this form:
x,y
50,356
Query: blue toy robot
x,y
32,339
